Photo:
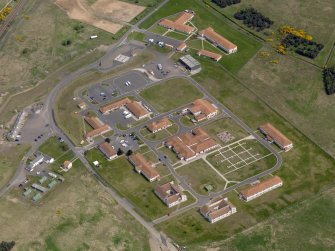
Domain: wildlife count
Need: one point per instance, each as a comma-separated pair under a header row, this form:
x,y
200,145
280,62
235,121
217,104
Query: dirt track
x,y
100,13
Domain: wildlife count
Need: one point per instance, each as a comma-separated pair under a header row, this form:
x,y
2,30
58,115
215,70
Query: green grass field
x,y
121,176
158,98
176,35
308,226
86,218
136,36
222,125
205,17
10,157
300,95
198,174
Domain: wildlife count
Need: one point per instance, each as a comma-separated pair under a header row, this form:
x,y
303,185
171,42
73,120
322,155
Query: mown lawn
x,y
159,96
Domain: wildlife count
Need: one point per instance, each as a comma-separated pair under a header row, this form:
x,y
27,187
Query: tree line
x,y
329,80
253,19
225,3
302,46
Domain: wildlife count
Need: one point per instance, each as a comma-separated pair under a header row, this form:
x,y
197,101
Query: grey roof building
x,y
191,64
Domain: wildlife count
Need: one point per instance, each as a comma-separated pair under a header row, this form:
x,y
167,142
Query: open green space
x,y
120,174
308,226
225,125
77,215
300,95
136,36
245,164
10,157
158,29
183,93
66,111
247,45
176,35
198,174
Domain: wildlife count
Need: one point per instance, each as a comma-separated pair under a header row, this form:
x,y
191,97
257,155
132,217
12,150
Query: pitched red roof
x,y
263,185
144,166
212,55
159,124
137,109
210,34
114,105
107,149
275,134
176,26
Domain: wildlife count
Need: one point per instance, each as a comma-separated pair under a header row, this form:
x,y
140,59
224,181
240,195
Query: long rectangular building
x,y
218,40
261,188
98,127
137,110
273,134
108,150
144,167
215,56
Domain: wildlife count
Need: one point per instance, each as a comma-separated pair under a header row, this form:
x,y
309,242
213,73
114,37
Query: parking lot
x,y
109,89
117,119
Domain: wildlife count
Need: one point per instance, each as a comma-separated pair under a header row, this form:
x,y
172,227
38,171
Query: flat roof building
x,y
39,188
159,125
191,64
218,210
107,150
188,145
273,134
144,167
261,188
215,56
170,194
218,40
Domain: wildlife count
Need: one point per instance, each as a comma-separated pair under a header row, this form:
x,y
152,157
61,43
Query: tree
x,y
108,140
329,80
119,152
6,246
129,152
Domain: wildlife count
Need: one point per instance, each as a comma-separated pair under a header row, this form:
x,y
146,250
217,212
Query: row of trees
x,y
302,46
225,3
329,80
6,246
253,19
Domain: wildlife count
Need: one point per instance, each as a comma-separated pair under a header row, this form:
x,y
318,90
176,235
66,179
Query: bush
x,y
79,28
302,46
6,246
253,19
329,80
67,42
225,3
